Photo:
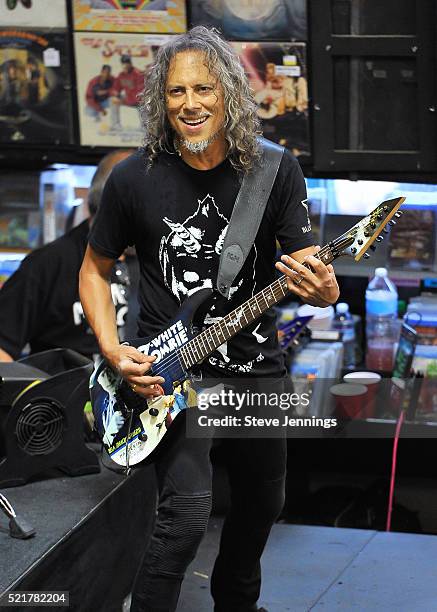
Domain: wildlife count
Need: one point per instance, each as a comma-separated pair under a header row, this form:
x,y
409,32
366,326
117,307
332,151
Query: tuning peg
x,y
398,214
386,230
392,222
380,239
366,256
373,247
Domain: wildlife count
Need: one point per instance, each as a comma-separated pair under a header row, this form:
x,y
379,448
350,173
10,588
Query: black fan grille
x,y
39,427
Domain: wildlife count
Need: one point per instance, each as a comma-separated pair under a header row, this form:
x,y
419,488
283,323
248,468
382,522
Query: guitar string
x,y
227,319
175,358
224,328
224,323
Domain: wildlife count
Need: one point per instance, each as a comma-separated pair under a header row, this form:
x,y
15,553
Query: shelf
x,y
365,270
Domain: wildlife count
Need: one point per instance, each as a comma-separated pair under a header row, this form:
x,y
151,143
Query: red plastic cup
x,y
371,381
349,400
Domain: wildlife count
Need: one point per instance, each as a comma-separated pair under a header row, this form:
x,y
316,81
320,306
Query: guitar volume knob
x,y
153,412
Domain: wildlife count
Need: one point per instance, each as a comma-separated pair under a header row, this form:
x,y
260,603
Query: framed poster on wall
x,y
278,76
252,19
35,88
33,13
110,72
154,16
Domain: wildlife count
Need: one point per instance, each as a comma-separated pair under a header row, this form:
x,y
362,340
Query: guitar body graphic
x,y
112,399
129,426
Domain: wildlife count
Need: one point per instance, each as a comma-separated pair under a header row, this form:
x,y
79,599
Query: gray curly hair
x,y
242,125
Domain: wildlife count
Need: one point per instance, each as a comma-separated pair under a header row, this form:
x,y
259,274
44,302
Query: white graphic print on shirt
x,y
306,228
182,255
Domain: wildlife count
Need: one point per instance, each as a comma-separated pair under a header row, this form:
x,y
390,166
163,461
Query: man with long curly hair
x,y
173,200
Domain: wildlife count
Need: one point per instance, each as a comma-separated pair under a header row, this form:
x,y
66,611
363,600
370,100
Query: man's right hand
x,y
133,365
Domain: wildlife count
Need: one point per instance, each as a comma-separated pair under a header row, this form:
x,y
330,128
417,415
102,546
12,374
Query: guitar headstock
x,y
356,241
289,331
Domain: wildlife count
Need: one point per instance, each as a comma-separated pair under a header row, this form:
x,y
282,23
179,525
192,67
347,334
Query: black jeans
x,y
256,469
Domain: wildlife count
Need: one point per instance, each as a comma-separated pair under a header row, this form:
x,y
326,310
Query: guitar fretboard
x,y
205,343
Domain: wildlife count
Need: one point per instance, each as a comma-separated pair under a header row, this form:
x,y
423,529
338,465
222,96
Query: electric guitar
x,y
131,427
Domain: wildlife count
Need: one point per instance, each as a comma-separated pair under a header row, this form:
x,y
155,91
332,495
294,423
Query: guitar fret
x,y
205,333
199,347
195,350
205,343
216,333
230,322
244,314
250,308
188,359
201,341
264,298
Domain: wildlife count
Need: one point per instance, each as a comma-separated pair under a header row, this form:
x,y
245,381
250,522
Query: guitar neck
x,y
205,343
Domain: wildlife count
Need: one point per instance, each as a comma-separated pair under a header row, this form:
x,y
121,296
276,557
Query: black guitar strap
x,y
247,215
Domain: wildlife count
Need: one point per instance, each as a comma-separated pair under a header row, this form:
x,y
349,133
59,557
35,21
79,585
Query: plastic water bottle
x,y
344,322
381,321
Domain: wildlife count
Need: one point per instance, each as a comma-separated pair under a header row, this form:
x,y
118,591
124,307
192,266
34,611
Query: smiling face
x,y
195,101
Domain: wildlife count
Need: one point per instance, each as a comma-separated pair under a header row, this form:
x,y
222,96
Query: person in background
x,y
98,93
39,303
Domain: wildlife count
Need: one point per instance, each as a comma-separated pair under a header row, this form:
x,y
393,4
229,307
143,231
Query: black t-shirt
x,y
39,303
177,216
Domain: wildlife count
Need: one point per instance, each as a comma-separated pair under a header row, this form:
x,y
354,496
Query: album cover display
x,y
252,19
278,76
35,89
33,13
157,16
412,240
110,72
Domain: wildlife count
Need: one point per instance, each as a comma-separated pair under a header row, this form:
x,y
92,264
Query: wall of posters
x,y
110,75
158,16
33,13
35,89
252,19
278,76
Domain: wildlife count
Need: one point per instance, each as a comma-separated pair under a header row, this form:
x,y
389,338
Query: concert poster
x,y
154,16
33,13
278,76
110,72
35,88
252,19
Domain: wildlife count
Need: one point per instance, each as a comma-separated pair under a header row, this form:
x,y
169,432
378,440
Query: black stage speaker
x,y
42,398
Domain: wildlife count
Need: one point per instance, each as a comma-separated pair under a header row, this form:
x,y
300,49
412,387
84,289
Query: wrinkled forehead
x,y
190,64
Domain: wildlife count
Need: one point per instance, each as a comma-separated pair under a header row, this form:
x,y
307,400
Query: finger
x,y
137,356
148,392
145,380
318,267
295,285
330,268
298,267
129,368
